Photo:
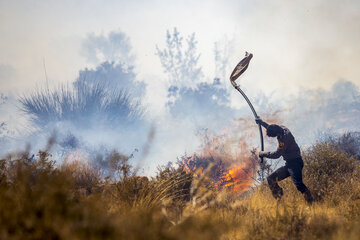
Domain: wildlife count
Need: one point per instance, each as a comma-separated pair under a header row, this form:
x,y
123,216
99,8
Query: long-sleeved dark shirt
x,y
287,148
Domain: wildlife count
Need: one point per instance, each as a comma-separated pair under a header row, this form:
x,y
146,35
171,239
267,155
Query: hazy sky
x,y
295,43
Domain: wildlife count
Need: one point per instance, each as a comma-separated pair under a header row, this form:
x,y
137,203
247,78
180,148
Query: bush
x,y
38,201
83,105
348,143
330,172
85,176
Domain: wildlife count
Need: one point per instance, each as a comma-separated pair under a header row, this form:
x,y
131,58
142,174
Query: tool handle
x,y
255,115
238,70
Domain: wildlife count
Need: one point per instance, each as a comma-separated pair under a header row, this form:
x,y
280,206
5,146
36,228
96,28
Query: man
x,y
290,151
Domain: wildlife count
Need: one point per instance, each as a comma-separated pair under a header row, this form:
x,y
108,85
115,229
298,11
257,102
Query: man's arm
x,y
261,122
273,155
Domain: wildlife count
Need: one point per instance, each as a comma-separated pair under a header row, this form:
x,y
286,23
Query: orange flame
x,y
233,167
238,179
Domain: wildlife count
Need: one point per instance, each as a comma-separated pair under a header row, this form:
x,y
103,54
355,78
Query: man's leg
x,y
295,171
276,176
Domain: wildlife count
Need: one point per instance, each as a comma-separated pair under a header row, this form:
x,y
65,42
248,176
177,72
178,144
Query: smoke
x,y
310,44
180,61
206,106
195,102
114,61
222,53
99,112
315,112
191,97
113,76
88,117
115,47
209,105
8,77
225,156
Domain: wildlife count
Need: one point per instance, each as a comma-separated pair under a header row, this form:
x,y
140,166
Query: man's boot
x,y
276,191
308,197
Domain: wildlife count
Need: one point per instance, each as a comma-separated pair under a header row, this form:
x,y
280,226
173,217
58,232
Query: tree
x,y
178,61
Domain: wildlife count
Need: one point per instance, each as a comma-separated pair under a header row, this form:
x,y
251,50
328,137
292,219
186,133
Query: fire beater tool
x,y
238,70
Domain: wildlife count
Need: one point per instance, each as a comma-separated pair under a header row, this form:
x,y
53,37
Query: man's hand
x,y
262,154
258,120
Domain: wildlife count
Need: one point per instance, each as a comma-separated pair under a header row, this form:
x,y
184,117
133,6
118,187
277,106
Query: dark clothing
x,y
287,148
291,169
290,151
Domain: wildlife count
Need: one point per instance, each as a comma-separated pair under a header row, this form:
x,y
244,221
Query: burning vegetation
x,y
40,201
232,173
227,159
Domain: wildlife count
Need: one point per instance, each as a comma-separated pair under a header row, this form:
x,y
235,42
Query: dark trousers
x,y
293,168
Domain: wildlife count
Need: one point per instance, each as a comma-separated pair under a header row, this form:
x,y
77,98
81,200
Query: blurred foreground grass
x,y
41,201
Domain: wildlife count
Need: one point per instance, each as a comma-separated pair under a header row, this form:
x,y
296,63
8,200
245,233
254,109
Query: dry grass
x,y
40,201
81,104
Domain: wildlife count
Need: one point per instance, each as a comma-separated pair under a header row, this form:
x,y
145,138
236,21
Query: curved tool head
x,y
240,68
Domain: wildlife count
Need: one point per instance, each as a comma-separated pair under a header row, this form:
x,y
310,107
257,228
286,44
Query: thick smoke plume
x,y
102,109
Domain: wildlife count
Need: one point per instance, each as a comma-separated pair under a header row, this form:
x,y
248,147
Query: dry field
x,y
75,201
